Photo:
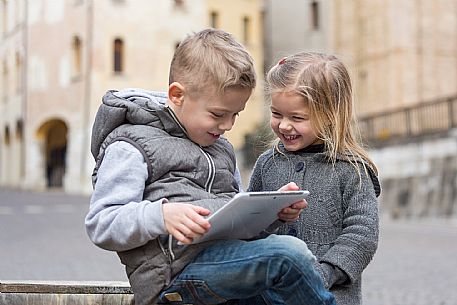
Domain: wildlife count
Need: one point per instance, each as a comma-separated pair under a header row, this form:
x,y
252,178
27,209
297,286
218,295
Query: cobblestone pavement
x,y
416,264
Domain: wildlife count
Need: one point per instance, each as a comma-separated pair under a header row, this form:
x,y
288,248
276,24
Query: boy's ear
x,y
176,93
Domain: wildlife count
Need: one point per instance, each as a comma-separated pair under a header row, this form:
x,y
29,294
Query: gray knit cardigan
x,y
340,224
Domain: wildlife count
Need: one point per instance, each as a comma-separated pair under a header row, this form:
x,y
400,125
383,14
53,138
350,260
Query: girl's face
x,y
290,120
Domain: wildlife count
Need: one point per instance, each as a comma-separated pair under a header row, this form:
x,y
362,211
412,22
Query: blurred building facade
x,y
402,56
292,26
59,57
400,53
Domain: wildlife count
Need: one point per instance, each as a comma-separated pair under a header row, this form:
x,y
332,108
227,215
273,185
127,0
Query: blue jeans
x,y
273,271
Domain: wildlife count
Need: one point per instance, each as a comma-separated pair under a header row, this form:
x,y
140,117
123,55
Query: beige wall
x,y
56,95
11,98
400,52
150,31
289,29
231,20
55,91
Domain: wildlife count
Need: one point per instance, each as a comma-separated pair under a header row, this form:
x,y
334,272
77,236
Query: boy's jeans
x,y
277,268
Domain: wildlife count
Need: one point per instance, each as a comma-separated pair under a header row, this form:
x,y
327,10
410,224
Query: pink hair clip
x,y
282,60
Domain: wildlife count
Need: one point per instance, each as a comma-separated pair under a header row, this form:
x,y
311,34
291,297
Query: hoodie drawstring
x,y
170,247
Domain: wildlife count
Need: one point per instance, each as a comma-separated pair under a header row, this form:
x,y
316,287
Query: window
x,y
314,15
214,20
17,13
7,135
5,80
19,129
18,72
118,55
4,10
76,54
246,30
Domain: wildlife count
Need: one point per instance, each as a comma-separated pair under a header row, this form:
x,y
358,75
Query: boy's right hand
x,y
185,221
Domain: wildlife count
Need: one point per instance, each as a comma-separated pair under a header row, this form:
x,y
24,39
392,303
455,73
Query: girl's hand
x,y
185,221
292,212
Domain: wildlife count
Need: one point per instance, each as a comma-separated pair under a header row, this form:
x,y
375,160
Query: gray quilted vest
x,y
179,170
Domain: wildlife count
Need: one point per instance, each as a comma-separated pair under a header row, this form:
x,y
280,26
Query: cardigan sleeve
x,y
357,244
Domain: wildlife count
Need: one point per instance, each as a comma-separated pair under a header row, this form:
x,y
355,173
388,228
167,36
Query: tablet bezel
x,y
247,214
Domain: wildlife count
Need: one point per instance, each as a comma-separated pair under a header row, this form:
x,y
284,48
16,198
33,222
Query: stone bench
x,y
65,293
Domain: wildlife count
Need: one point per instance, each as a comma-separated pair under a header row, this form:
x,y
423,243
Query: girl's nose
x,y
285,125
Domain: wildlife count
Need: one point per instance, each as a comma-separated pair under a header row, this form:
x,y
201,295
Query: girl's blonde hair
x,y
324,83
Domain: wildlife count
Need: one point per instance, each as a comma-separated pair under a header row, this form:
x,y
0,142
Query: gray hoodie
x,y
143,160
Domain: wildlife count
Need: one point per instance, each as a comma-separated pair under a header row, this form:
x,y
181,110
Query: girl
x,y
311,114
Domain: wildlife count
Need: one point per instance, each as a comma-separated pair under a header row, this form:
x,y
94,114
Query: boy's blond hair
x,y
324,83
212,60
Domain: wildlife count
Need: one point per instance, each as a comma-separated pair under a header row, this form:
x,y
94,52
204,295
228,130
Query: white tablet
x,y
248,214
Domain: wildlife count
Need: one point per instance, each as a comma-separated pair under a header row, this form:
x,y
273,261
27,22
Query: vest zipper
x,y
165,251
168,256
212,171
212,167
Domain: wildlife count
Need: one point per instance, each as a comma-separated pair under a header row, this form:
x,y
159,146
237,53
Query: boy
x,y
162,165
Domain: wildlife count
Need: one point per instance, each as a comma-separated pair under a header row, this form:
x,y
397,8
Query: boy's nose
x,y
227,124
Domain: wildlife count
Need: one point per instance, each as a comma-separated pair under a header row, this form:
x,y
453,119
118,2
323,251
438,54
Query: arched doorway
x,y
54,134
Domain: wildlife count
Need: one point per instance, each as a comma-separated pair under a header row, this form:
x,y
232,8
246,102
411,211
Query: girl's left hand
x,y
292,212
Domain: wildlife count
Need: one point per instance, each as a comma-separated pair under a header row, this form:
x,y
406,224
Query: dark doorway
x,y
56,152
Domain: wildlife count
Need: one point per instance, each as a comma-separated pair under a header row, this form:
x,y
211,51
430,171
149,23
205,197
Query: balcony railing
x,y
408,123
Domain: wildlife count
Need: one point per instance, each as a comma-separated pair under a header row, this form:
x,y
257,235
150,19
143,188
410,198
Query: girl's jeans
x,y
275,270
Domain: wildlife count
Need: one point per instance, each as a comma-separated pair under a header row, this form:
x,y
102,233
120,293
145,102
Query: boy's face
x,y
208,116
290,120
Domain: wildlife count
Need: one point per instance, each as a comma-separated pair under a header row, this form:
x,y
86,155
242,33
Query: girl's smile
x,y
291,138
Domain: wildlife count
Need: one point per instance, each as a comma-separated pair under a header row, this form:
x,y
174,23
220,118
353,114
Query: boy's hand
x,y
292,212
184,221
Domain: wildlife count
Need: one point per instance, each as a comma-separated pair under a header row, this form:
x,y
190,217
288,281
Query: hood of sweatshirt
x,y
135,107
